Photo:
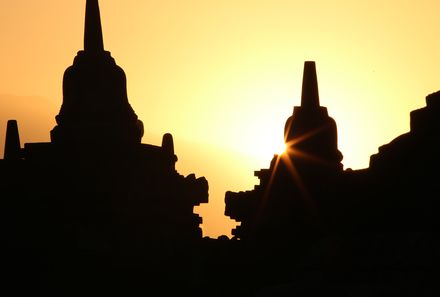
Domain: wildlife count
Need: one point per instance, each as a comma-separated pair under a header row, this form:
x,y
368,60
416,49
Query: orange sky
x,y
223,76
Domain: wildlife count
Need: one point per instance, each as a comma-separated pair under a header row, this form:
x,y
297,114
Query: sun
x,y
267,149
280,148
264,141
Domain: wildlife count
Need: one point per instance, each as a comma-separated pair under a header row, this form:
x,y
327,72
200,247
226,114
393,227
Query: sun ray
x,y
287,158
303,137
268,188
305,194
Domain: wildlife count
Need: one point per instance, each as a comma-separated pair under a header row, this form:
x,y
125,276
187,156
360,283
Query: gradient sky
x,y
223,76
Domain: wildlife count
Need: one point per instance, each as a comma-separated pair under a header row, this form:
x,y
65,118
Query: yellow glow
x,y
223,76
281,149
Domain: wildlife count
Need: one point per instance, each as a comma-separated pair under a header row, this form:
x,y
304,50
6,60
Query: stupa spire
x,y
93,41
310,94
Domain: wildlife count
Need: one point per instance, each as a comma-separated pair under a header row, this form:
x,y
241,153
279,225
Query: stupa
x,y
282,200
94,205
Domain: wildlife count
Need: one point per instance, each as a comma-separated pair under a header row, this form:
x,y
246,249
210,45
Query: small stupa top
x,y
310,94
93,40
95,105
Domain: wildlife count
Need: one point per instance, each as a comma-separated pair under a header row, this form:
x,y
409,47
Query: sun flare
x,y
280,148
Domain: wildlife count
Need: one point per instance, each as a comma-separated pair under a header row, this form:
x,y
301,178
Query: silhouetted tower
x,y
95,104
285,200
310,134
12,143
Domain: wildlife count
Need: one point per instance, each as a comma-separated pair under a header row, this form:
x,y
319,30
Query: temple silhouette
x,y
95,198
320,230
311,160
95,212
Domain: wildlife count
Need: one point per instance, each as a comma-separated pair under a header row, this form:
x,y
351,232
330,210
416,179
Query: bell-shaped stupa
x,y
310,131
95,104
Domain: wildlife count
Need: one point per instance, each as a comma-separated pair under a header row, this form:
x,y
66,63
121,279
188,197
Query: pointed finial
x,y
12,143
310,95
93,41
